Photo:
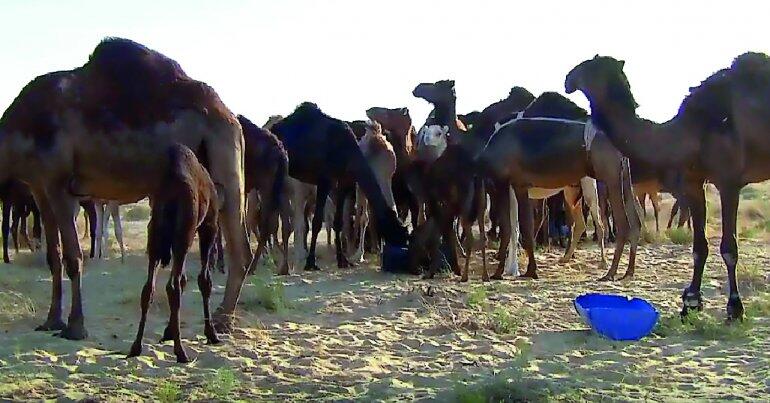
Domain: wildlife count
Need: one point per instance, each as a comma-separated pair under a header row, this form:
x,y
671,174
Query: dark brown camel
x,y
185,203
720,134
266,165
323,151
18,204
551,147
96,131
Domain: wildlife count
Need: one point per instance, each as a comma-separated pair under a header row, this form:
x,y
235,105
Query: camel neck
x,y
445,113
659,145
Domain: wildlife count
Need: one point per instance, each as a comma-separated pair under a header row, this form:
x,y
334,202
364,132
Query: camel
x,y
104,210
18,204
551,146
95,131
323,151
381,157
719,134
266,165
186,203
651,189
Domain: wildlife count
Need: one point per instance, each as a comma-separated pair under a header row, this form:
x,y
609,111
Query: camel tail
x,y
391,228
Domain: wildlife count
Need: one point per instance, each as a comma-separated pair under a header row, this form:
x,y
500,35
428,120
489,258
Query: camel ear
x,y
596,56
622,63
405,111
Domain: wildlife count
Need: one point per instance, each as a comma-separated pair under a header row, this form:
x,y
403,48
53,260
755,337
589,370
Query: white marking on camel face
x,y
432,141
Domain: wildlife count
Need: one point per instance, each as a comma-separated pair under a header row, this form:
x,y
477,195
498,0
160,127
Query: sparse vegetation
x,y
703,325
137,212
477,298
167,392
15,305
679,236
222,384
269,292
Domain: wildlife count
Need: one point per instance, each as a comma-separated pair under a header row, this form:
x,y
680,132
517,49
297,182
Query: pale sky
x,y
265,57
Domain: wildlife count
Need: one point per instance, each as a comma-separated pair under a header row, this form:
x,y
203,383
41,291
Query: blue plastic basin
x,y
394,258
617,317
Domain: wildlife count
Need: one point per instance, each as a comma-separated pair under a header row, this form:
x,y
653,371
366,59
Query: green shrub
x,y
138,212
269,292
167,392
477,297
679,236
703,325
222,384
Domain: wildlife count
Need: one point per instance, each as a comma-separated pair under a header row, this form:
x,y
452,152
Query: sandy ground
x,y
358,334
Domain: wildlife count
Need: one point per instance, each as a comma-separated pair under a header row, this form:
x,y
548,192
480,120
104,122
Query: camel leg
x,y
674,210
65,208
6,230
286,230
322,194
578,228
480,216
154,245
53,254
655,200
15,217
696,202
526,225
729,196
23,230
298,222
467,226
100,240
512,260
634,216
508,218
590,195
207,234
362,221
118,227
37,230
174,292
343,194
621,226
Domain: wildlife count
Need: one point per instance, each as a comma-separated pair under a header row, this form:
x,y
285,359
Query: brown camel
x,y
551,146
400,133
381,157
96,131
266,165
186,203
720,134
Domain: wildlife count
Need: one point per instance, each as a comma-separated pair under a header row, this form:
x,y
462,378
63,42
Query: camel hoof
x,y
312,267
691,301
627,276
283,272
607,277
564,260
136,350
464,279
167,335
428,276
530,274
734,310
181,357
55,324
496,276
74,332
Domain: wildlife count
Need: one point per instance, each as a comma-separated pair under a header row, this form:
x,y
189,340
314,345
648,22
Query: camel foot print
x,y
76,331
530,274
51,324
734,310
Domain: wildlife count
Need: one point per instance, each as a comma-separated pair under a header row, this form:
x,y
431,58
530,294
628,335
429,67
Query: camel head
x,y
470,119
436,93
373,128
432,140
519,98
601,80
397,125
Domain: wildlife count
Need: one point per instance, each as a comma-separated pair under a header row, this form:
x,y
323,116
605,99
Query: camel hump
x,y
554,105
710,103
751,73
125,83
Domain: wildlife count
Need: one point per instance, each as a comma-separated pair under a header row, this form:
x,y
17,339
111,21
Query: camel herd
x,y
131,124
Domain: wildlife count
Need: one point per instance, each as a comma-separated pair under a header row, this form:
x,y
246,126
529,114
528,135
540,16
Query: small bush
x,y
167,392
477,298
138,212
269,292
222,384
679,236
504,322
14,305
703,325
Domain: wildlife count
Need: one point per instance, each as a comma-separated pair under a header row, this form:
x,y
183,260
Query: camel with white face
x,y
96,131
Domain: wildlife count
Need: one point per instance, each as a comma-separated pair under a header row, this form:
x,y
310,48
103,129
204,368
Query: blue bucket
x,y
617,317
394,258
